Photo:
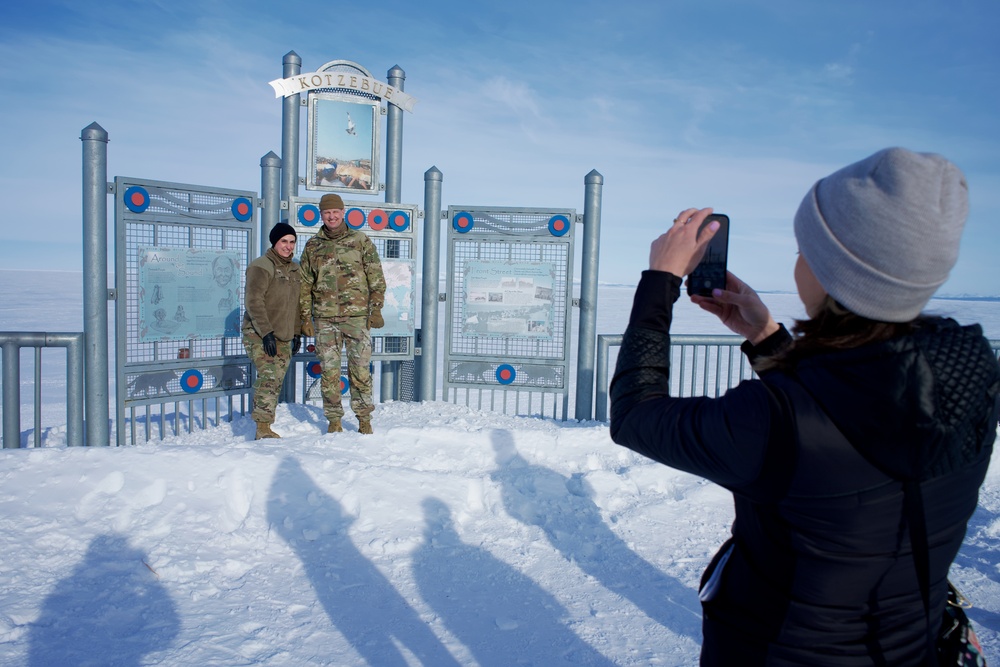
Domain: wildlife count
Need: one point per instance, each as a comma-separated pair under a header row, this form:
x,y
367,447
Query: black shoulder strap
x,y
913,507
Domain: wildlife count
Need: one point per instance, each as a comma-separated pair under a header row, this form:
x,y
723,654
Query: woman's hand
x,y
740,309
680,249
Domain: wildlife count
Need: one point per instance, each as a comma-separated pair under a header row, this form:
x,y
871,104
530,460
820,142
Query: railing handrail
x,y
11,343
606,341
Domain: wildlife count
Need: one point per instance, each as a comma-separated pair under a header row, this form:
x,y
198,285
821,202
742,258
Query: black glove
x,y
296,343
270,345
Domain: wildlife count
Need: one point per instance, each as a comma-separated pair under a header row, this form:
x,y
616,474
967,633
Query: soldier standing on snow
x,y
343,289
271,324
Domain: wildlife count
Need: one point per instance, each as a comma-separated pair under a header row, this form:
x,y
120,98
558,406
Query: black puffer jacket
x,y
821,570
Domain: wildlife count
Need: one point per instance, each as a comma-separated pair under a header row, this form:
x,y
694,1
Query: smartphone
x,y
711,271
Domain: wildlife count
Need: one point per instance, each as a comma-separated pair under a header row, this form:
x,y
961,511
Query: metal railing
x,y
700,366
703,366
11,343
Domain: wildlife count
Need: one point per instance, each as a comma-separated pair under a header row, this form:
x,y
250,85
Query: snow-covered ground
x,y
450,536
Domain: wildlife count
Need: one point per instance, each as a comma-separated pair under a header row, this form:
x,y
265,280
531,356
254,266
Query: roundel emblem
x,y
345,384
242,209
399,220
378,219
315,369
506,373
355,218
558,225
137,199
308,215
191,381
463,222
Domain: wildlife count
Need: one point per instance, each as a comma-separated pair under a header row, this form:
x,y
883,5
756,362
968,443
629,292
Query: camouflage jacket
x,y
341,275
271,289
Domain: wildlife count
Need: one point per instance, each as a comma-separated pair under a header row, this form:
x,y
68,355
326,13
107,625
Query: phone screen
x,y
711,271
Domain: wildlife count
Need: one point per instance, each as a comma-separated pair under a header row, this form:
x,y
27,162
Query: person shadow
x,y
360,601
110,610
501,615
563,508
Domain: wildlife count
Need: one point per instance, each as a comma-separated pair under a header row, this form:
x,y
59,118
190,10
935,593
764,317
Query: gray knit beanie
x,y
882,234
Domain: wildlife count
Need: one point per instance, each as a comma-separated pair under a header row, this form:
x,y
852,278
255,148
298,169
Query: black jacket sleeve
x,y
727,440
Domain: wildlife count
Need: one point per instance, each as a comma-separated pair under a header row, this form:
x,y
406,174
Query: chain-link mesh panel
x,y
180,371
510,274
556,256
162,235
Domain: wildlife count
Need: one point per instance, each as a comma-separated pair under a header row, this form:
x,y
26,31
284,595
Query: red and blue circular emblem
x,y
308,215
355,218
315,369
506,374
463,222
192,381
137,199
558,225
399,220
378,219
242,209
345,385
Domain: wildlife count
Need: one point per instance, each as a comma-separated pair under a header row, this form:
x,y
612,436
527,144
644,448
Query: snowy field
x,y
451,536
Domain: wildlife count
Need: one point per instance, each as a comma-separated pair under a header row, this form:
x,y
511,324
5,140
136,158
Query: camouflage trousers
x,y
270,374
352,334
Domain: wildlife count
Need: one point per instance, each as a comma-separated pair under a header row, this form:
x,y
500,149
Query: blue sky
x,y
740,105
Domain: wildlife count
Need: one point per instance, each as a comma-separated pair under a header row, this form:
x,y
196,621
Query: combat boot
x,y
365,425
334,427
264,431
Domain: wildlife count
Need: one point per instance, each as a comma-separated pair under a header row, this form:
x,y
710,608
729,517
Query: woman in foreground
x,y
855,460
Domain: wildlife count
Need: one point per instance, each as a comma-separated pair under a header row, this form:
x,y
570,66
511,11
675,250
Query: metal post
x,y
37,402
586,350
289,164
95,281
429,294
290,114
74,390
394,140
393,177
604,343
270,187
270,192
11,395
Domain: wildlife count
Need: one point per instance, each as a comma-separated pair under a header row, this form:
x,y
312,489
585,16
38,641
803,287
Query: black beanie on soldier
x,y
279,231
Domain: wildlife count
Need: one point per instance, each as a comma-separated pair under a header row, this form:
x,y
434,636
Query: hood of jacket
x,y
917,406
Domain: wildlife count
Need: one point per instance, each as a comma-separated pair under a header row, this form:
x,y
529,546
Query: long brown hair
x,y
833,328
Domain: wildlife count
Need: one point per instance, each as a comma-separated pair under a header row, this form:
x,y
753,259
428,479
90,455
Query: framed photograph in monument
x,y
343,144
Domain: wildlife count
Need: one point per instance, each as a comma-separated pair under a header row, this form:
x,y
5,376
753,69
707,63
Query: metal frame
x,y
537,369
393,245
699,366
702,368
148,374
11,344
372,104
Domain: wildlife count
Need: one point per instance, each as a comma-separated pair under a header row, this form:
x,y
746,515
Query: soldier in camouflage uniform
x,y
271,326
343,289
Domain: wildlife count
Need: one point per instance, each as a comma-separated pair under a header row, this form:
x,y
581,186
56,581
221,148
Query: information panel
x,y
188,293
